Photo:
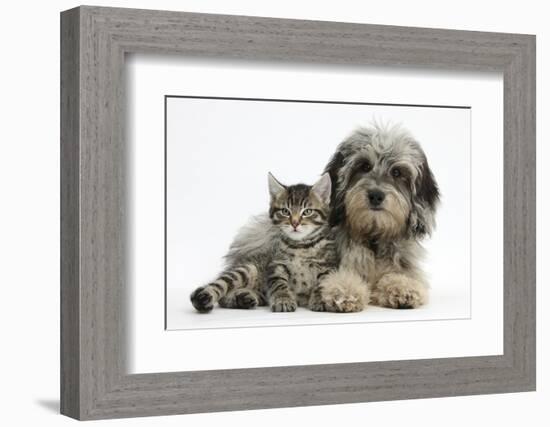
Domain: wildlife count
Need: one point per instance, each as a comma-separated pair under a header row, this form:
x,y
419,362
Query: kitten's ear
x,y
275,187
322,188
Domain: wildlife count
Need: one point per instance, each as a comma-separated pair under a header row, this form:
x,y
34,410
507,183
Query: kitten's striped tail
x,y
226,287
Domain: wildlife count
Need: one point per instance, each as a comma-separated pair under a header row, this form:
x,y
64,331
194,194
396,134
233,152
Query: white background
x,y
219,152
30,227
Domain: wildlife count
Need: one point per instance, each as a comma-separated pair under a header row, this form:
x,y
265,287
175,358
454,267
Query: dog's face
x,y
384,188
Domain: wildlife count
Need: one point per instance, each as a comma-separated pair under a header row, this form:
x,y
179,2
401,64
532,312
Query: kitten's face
x,y
299,210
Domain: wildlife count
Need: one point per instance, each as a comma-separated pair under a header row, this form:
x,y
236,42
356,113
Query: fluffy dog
x,y
384,202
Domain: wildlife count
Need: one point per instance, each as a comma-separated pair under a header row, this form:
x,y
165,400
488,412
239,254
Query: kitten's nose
x,y
295,223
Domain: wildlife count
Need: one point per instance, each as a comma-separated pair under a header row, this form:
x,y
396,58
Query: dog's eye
x,y
366,166
396,172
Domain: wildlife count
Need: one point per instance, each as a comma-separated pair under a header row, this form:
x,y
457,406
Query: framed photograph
x,y
261,213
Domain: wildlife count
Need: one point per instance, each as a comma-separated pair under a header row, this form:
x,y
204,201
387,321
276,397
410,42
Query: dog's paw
x,y
202,299
404,297
283,304
346,304
399,291
343,292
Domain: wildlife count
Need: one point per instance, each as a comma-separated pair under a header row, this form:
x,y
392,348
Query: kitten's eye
x,y
396,172
285,212
307,212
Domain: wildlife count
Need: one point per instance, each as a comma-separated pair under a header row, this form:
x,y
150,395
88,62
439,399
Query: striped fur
x,y
305,250
228,288
296,251
297,268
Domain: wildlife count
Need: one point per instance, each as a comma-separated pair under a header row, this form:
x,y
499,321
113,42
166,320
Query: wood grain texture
x,y
94,382
70,221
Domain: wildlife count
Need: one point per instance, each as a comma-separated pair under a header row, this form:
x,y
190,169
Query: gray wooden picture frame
x,y
94,382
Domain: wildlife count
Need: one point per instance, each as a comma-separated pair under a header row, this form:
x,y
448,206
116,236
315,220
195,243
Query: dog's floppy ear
x,y
425,201
338,207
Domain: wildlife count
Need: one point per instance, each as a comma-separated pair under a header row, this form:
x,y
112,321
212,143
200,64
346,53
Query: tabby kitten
x,y
305,250
299,251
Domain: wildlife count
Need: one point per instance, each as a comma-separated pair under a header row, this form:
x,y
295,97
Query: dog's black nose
x,y
376,197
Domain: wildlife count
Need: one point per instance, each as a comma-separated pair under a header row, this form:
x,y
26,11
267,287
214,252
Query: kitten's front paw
x,y
317,306
285,304
316,302
202,300
246,299
240,298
